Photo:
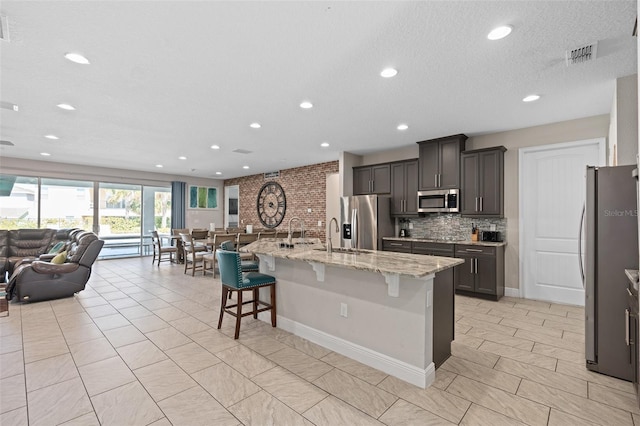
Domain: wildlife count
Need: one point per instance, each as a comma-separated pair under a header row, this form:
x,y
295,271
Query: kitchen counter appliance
x,y
611,246
439,201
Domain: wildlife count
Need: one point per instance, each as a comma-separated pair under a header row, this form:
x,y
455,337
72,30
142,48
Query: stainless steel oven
x,y
439,201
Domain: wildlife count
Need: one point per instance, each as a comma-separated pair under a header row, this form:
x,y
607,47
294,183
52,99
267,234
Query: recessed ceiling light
x,y
218,173
324,144
530,98
389,72
215,147
402,127
255,125
182,157
245,167
54,137
159,166
77,58
46,154
500,32
306,105
66,106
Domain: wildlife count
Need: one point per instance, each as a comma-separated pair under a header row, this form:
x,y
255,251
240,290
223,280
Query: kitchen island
x,y
375,307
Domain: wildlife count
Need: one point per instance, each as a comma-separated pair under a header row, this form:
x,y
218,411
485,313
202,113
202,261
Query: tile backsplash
x,y
452,226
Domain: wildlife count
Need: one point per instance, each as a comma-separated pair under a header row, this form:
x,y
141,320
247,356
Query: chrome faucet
x,y
290,235
329,245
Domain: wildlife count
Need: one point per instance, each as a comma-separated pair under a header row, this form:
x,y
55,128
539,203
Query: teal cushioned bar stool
x,y
246,265
233,279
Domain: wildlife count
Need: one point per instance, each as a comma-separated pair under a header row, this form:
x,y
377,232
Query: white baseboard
x,y
400,369
512,292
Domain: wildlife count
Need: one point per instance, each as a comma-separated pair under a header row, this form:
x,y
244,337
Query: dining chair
x,y
234,280
176,232
193,255
159,250
218,239
244,239
267,234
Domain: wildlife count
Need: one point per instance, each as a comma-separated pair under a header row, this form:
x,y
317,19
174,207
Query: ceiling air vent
x,y
582,54
4,28
242,151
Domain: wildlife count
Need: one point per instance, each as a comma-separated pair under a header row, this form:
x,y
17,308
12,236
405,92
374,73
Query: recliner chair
x,y
39,280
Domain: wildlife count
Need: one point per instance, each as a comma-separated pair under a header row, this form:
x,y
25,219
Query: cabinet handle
x,y
439,180
476,262
481,209
476,203
471,264
626,326
474,250
435,180
395,244
373,185
404,207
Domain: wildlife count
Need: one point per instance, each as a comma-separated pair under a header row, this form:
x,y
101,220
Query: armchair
x,y
39,280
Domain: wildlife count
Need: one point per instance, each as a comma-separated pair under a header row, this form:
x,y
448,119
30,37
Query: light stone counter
x,y
382,262
387,310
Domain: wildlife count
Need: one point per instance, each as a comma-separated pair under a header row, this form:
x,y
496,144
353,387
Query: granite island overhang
x,y
374,307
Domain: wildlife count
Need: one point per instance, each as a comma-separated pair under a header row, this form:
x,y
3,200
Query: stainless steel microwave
x,y
438,201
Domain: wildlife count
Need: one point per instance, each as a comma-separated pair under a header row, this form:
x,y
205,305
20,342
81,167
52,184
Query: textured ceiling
x,y
171,78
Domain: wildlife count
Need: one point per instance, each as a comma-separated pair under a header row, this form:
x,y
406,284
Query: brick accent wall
x,y
304,187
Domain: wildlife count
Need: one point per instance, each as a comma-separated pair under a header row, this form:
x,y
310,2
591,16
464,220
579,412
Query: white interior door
x,y
552,193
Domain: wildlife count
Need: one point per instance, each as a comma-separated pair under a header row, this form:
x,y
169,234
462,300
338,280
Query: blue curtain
x,y
178,204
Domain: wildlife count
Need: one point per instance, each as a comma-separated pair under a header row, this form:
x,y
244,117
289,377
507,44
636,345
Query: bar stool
x,y
245,265
233,279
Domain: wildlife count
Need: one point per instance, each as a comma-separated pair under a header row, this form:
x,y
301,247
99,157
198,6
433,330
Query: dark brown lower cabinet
x,y
632,339
482,273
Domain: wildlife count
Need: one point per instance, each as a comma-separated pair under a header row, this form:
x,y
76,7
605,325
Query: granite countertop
x,y
312,250
444,241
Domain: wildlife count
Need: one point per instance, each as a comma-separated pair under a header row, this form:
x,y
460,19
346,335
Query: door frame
x,y
602,155
227,190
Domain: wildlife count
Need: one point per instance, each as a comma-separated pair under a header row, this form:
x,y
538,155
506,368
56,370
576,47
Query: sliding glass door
x,y
66,204
123,214
119,219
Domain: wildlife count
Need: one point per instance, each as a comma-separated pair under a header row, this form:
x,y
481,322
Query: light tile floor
x,y
139,347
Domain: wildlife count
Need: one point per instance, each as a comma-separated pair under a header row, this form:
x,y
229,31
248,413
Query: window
x,y
68,204
18,202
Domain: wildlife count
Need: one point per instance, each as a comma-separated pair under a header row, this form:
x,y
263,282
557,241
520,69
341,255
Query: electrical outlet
x,y
319,224
492,227
343,310
309,210
410,225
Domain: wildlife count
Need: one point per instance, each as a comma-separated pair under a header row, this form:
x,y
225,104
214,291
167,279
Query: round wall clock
x,y
271,204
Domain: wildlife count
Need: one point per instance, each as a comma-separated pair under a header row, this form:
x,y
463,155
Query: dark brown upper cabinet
x,y
439,162
482,190
404,188
374,179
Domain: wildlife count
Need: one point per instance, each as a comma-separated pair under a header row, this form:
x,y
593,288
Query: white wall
x,y
194,218
623,129
346,163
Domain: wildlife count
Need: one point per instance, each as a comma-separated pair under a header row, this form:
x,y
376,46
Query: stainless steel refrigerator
x,y
365,220
611,246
